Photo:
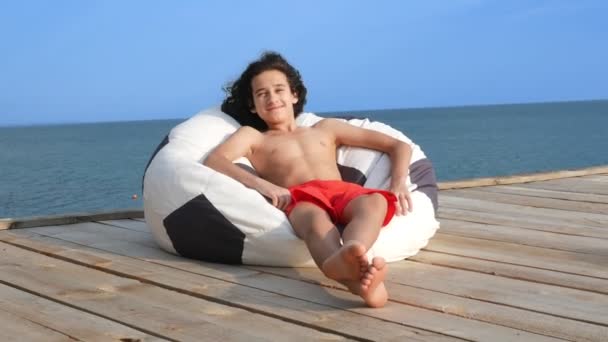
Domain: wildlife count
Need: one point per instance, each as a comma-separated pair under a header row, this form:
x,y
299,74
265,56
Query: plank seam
x,y
511,277
514,224
538,206
490,322
40,324
444,232
121,227
579,192
498,191
523,207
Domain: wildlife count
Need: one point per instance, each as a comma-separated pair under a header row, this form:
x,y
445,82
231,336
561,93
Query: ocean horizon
x,y
322,113
58,168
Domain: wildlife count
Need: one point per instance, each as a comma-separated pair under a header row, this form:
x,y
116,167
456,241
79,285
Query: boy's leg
x,y
313,225
364,215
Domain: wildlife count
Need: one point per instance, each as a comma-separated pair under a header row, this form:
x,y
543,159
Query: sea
x,y
75,168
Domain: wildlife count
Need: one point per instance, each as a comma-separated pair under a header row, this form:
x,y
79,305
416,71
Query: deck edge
x,y
71,218
522,178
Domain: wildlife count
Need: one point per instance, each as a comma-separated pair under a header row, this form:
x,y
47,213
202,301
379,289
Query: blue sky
x,y
87,61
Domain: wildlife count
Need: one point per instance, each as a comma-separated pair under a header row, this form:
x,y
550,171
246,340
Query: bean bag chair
x,y
198,213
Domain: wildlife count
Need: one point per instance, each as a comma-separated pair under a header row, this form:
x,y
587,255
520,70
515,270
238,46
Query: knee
x,y
319,223
307,219
377,202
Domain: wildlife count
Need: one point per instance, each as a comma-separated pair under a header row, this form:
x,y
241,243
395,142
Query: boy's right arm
x,y
241,144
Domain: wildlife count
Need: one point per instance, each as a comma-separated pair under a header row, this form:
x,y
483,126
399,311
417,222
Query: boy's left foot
x,y
371,286
372,289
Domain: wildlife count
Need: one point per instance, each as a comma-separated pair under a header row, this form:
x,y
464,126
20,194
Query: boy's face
x,y
273,99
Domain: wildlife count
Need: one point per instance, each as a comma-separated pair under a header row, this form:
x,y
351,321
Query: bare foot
x,y
347,263
372,289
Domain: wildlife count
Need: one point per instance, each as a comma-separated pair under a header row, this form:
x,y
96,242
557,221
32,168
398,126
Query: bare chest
x,y
302,145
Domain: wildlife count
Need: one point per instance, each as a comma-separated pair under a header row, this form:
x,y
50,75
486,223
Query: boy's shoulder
x,y
247,133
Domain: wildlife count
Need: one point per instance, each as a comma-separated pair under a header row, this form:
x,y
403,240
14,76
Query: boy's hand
x,y
276,195
404,200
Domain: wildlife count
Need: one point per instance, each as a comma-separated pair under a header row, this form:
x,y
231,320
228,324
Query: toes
x,y
378,263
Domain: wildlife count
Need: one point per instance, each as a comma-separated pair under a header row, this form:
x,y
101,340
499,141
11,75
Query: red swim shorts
x,y
334,195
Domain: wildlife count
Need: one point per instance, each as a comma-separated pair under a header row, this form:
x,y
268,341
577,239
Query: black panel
x,y
422,174
199,231
158,148
352,175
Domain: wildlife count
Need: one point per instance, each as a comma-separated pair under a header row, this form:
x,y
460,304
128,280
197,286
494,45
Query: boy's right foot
x,y
347,263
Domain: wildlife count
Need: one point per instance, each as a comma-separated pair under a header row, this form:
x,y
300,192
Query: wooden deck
x,y
519,262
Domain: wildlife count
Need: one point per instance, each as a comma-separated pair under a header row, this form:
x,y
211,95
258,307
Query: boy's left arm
x,y
399,152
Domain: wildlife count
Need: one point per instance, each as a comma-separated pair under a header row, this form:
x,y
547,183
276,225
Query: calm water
x,y
91,167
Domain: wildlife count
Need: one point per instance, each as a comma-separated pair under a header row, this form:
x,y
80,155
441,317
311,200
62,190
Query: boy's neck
x,y
284,127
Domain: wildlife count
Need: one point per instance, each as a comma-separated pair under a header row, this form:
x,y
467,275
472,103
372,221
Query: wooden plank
x,y
17,329
554,300
527,221
136,225
53,220
547,259
51,318
584,219
155,310
398,313
579,185
537,202
531,192
86,233
525,178
527,237
222,285
464,306
513,271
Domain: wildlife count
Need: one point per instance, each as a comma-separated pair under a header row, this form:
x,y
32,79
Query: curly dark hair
x,y
239,99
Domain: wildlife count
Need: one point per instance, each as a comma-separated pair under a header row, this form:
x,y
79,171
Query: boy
x,y
298,174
